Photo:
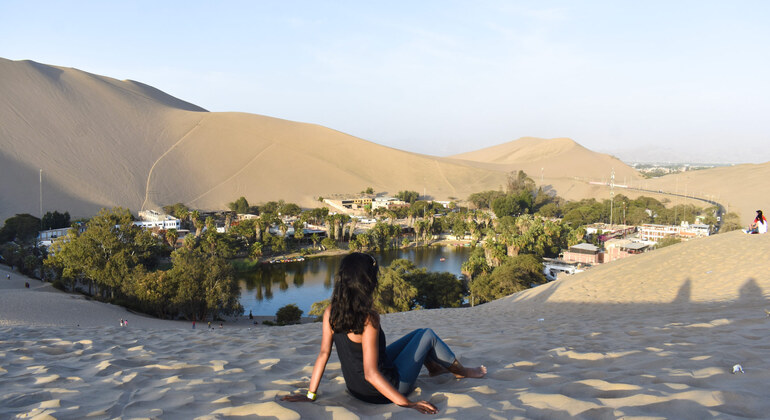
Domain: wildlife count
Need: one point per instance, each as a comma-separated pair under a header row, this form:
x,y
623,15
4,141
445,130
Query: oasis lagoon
x,y
273,286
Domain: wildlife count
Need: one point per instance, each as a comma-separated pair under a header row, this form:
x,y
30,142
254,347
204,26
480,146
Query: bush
x,y
289,314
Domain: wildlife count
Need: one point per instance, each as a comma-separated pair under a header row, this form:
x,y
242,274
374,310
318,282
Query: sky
x,y
651,80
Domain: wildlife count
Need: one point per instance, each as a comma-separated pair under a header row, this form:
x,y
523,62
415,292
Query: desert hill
x,y
560,164
103,142
740,188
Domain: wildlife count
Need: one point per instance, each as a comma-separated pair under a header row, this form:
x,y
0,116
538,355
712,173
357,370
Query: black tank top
x,y
352,362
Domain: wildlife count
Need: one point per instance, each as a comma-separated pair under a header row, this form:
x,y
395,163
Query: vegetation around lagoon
x,y
511,232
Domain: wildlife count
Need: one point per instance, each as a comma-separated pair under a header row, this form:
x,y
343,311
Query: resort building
x,y
46,237
651,232
616,249
151,219
388,203
584,253
605,231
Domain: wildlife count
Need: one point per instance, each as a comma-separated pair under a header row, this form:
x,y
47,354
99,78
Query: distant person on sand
x,y
759,225
374,372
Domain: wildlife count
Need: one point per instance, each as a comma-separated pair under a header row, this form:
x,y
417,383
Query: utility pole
x,y
41,199
612,193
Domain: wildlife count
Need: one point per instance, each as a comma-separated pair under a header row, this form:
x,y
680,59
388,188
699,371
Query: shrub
x,y
289,314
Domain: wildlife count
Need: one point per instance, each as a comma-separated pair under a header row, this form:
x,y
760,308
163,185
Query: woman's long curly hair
x,y
353,297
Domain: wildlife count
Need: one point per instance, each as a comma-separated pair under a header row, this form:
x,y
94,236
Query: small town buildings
x,y
388,203
605,231
616,249
46,237
653,232
584,253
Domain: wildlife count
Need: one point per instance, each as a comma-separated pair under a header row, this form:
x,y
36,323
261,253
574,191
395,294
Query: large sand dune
x,y
652,336
104,142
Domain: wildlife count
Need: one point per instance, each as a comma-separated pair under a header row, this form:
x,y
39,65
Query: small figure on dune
x,y
374,372
759,225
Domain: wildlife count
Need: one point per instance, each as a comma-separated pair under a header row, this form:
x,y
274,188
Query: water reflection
x,y
313,279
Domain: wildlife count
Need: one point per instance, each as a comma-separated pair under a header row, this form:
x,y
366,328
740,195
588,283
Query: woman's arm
x,y
320,361
369,346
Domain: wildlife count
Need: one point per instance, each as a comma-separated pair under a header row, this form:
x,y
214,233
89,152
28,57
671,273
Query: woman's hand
x,y
296,398
423,407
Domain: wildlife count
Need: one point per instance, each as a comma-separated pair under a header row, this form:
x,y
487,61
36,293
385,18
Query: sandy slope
x,y
654,336
741,188
104,142
560,164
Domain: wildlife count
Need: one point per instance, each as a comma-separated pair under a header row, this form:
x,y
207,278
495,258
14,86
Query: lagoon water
x,y
273,286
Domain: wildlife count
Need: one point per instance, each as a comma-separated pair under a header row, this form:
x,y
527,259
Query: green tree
x,y
394,293
408,196
289,314
317,308
55,220
106,253
22,228
437,290
204,285
514,275
241,205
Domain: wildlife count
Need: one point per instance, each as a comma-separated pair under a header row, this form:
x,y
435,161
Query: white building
x,y
151,219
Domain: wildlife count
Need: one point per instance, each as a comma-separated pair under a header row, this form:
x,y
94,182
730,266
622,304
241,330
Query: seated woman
x,y
759,225
375,372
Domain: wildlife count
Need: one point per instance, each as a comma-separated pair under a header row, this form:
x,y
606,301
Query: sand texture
x,y
653,336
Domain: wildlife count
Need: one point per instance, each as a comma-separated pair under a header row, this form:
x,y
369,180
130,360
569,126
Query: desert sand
x,y
652,336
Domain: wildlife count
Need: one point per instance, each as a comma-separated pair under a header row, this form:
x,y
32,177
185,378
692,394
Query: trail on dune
x,y
152,168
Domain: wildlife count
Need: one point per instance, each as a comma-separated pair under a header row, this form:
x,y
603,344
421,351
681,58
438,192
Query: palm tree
x,y
171,236
197,222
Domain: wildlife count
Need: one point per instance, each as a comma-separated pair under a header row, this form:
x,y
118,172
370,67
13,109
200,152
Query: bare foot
x,y
461,371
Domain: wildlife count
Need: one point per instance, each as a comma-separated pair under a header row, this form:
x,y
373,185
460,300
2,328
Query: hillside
x,y
741,188
104,142
560,164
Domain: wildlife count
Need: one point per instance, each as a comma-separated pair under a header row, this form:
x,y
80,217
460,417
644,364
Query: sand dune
x,y
559,164
104,142
740,188
653,336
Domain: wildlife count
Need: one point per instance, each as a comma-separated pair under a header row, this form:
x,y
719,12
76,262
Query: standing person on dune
x,y
374,372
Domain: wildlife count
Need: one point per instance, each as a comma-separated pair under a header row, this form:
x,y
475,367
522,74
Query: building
x,y
584,253
651,232
388,203
151,219
605,231
616,249
46,237
350,205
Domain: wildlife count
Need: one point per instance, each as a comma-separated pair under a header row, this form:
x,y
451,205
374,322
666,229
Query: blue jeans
x,y
410,352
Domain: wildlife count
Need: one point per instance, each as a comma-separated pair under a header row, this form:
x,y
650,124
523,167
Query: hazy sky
x,y
440,77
